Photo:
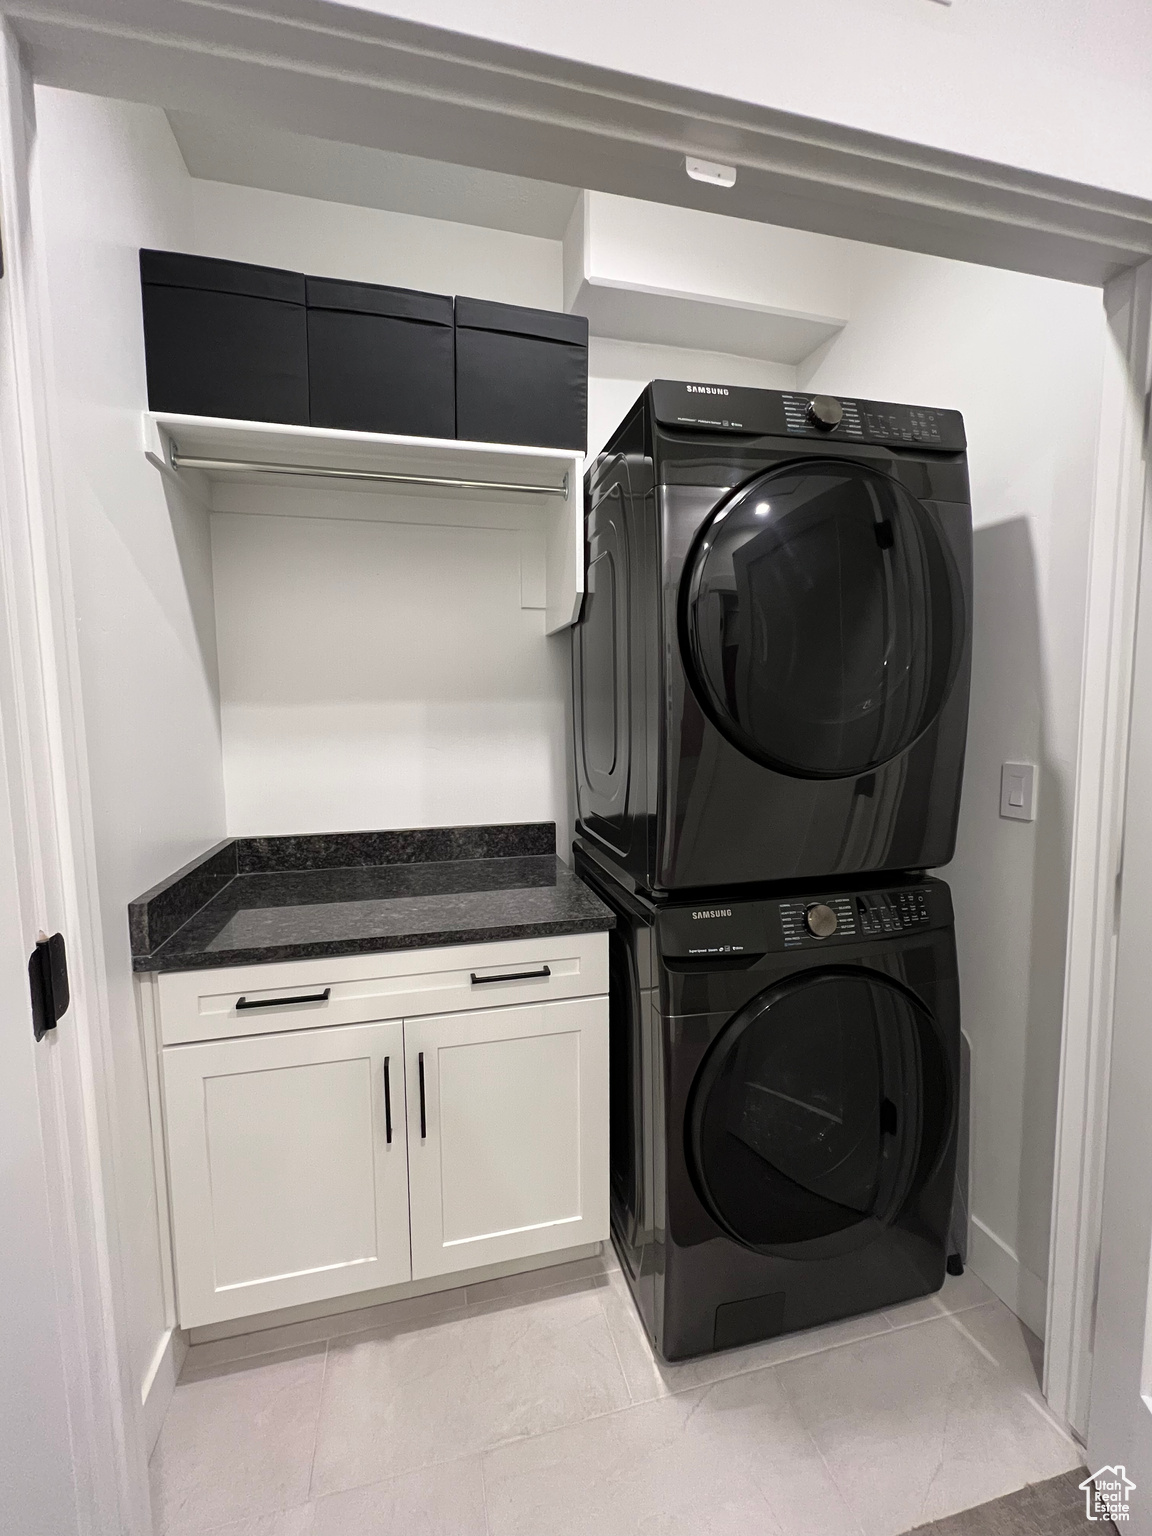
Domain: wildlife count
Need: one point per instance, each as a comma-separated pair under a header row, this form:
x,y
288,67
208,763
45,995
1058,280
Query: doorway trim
x,y
45,785
1096,874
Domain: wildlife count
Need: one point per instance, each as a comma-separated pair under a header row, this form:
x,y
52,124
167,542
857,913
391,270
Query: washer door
x,y
822,619
819,1110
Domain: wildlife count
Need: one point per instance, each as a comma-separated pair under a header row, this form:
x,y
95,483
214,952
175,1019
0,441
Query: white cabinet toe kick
x,y
339,1126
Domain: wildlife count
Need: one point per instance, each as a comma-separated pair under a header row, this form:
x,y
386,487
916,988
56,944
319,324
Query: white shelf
x,y
668,276
200,451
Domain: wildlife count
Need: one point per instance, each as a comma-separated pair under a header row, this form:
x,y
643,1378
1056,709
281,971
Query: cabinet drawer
x,y
353,989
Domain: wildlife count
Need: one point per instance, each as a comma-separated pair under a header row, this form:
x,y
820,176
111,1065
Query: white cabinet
x,y
287,1160
304,1162
507,1133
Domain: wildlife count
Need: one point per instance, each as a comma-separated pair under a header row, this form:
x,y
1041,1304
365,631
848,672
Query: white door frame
x,y
1098,844
45,789
922,199
1119,1428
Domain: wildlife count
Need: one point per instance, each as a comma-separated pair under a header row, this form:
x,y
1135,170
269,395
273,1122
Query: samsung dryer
x,y
784,1091
771,666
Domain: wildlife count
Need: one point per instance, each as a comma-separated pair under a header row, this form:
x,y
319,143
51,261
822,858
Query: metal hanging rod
x,y
180,460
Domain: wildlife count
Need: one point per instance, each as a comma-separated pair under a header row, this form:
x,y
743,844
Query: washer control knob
x,y
822,921
825,412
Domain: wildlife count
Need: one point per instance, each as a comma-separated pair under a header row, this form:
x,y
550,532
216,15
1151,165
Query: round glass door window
x,y
823,618
818,1110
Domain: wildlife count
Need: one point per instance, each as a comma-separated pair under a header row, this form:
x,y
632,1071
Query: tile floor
x,y
533,1407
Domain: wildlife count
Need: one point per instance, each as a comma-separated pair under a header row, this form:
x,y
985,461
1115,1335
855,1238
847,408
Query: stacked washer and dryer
x,y
770,702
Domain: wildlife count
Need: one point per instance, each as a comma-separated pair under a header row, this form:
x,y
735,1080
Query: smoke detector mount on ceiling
x,y
708,170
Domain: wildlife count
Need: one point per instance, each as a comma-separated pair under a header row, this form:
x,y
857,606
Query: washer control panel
x,y
724,928
819,920
893,911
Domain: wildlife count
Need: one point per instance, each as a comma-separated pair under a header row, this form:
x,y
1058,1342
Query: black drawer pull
x,y
541,975
387,1104
282,1002
423,1107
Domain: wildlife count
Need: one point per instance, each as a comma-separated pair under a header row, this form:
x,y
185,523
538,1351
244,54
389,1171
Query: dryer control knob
x,y
825,412
822,921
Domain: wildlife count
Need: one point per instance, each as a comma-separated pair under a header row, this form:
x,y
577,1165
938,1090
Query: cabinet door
x,y
285,1185
507,1133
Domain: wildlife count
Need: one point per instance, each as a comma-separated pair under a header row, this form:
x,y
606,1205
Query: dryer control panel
x,y
738,408
874,421
723,928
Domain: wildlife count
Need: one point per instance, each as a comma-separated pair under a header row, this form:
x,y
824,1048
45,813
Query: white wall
x,y
373,246
1053,86
1021,357
383,674
299,163
109,179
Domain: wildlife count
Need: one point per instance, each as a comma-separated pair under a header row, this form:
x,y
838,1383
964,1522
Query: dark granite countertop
x,y
250,900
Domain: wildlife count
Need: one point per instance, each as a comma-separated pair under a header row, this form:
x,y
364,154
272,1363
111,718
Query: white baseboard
x,y
208,1333
1002,1272
160,1382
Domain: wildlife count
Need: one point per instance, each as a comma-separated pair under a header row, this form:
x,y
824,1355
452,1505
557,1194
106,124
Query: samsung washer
x,y
784,1089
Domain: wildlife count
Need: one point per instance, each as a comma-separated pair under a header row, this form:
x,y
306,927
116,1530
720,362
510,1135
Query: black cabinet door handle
x,y
423,1106
282,1002
541,975
387,1104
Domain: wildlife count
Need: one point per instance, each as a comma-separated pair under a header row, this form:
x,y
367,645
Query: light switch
x,y
1018,791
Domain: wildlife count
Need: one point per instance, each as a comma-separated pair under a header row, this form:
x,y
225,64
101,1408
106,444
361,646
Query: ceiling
x,y
256,156
352,73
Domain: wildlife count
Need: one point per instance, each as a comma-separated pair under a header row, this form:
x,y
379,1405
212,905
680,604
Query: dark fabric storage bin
x,y
521,375
380,359
222,338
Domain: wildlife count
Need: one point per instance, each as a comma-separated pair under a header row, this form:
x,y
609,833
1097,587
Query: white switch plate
x,y
1018,791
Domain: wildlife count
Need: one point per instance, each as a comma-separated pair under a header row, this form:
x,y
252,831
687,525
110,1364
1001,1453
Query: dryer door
x,y
819,1110
822,619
